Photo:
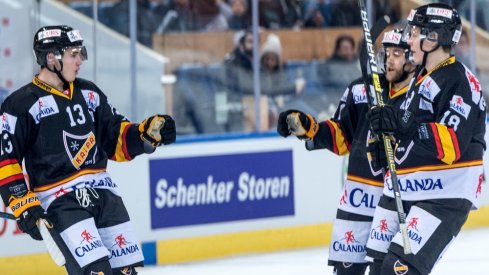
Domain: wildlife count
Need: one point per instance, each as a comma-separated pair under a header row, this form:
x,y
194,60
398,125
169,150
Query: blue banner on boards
x,y
209,189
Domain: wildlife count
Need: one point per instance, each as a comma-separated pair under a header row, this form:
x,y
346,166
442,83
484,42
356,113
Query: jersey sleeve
x,y
119,137
15,140
336,134
460,123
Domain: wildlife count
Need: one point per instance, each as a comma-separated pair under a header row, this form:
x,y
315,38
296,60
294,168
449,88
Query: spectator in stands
x,y
240,18
274,82
179,18
238,77
118,19
317,14
208,17
276,14
344,49
336,73
345,13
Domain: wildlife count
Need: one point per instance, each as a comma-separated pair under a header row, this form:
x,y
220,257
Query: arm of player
x,y
460,124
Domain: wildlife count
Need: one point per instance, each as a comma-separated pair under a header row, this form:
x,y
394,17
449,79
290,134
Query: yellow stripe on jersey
x,y
365,180
446,143
65,180
121,153
439,167
10,170
340,144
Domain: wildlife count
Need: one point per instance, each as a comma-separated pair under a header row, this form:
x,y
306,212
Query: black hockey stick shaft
x,y
375,32
387,140
5,215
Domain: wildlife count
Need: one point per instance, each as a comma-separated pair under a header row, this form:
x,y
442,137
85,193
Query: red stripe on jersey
x,y
11,179
456,147
333,136
8,162
436,136
124,143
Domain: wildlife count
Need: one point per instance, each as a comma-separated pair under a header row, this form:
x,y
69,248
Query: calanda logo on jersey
x,y
416,185
359,94
87,244
79,148
122,247
382,232
348,244
413,232
458,105
44,107
8,123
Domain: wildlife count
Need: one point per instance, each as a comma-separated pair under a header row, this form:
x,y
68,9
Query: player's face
x,y
415,39
395,60
73,58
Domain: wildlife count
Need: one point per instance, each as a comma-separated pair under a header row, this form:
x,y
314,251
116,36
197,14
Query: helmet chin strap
x,y
425,53
58,73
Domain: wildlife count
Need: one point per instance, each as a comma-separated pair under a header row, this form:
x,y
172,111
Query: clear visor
x,y
381,59
387,51
75,51
413,32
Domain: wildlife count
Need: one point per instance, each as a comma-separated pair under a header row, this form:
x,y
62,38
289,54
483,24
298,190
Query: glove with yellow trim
x,y
157,130
27,211
297,123
376,154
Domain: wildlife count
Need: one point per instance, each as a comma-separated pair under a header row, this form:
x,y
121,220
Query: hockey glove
x,y
376,154
383,119
27,211
157,130
297,123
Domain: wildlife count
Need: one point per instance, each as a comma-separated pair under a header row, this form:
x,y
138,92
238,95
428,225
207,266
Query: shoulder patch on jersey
x,y
92,98
458,105
359,94
45,106
475,86
8,123
428,88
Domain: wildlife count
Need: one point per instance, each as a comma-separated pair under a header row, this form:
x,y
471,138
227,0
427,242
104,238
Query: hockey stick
x,y
387,141
8,216
43,225
375,32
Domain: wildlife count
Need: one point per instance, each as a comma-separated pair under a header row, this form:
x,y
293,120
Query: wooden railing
x,y
212,47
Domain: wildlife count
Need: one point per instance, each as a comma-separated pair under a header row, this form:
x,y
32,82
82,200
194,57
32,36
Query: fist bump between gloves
x,y
157,130
297,123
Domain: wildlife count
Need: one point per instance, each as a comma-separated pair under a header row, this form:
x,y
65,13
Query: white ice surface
x,y
467,256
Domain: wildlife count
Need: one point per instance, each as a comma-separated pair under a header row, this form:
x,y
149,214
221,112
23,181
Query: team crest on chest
x,y
79,148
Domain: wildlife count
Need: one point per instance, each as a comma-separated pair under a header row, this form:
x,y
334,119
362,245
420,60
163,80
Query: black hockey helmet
x,y
437,18
56,39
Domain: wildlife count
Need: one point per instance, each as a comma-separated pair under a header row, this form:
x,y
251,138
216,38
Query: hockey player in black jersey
x,y
64,130
348,133
439,129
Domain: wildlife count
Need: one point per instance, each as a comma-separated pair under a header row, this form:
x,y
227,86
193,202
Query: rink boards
x,y
216,198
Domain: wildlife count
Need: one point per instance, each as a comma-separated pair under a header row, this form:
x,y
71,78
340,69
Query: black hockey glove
x,y
383,119
157,130
387,120
27,211
376,154
297,123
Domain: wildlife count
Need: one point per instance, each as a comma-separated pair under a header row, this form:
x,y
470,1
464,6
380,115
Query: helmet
x,y
437,18
55,39
392,38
